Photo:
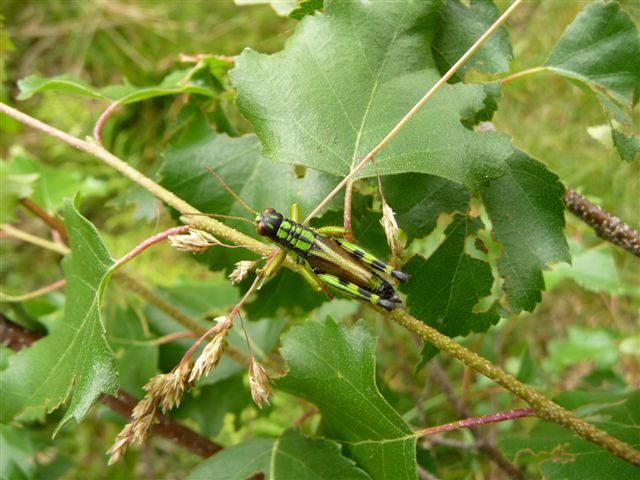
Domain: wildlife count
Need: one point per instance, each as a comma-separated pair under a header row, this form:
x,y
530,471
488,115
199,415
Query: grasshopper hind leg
x,y
358,292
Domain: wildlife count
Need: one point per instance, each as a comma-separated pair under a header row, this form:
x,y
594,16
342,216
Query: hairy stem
x,y
543,407
208,224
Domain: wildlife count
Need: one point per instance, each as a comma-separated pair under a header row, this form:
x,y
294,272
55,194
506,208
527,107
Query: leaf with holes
x,y
526,210
445,288
560,454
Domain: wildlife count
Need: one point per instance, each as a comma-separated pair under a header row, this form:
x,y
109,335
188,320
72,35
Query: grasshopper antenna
x,y
231,192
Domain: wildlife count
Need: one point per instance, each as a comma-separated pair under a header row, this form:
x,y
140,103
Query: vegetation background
x,y
584,335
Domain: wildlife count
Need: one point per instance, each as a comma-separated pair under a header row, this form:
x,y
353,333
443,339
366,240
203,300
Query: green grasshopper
x,y
326,259
323,257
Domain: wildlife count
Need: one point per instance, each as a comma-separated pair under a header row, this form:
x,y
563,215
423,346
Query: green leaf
x,y
417,208
52,185
560,454
136,354
66,83
175,83
326,105
75,359
333,367
306,7
602,49
17,450
292,456
628,147
445,288
594,269
527,213
461,25
237,462
594,345
13,188
258,181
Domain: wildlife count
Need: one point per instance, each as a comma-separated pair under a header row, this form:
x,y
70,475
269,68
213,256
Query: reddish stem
x,y
97,130
469,422
150,241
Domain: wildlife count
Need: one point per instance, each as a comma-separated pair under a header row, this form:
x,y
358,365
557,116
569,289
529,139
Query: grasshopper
x,y
326,259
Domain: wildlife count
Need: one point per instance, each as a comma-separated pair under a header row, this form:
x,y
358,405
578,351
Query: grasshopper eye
x,y
260,228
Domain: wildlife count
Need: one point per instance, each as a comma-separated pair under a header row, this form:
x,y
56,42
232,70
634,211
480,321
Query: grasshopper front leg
x,y
275,264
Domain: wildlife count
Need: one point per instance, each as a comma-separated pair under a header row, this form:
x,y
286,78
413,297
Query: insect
x,y
326,259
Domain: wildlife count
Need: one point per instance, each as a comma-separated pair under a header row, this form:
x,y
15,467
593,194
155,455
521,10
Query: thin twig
x,y
17,338
53,222
432,91
606,225
149,242
521,74
97,130
34,240
474,421
5,297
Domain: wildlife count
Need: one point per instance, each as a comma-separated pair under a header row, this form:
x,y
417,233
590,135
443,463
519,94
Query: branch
x,y
475,421
16,338
208,224
607,226
542,406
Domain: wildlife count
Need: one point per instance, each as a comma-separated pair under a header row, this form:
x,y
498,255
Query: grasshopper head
x,y
268,222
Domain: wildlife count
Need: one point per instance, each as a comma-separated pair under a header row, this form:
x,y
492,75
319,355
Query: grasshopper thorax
x,y
268,222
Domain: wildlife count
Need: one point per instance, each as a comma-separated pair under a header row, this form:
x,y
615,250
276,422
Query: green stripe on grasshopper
x,y
371,260
356,291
